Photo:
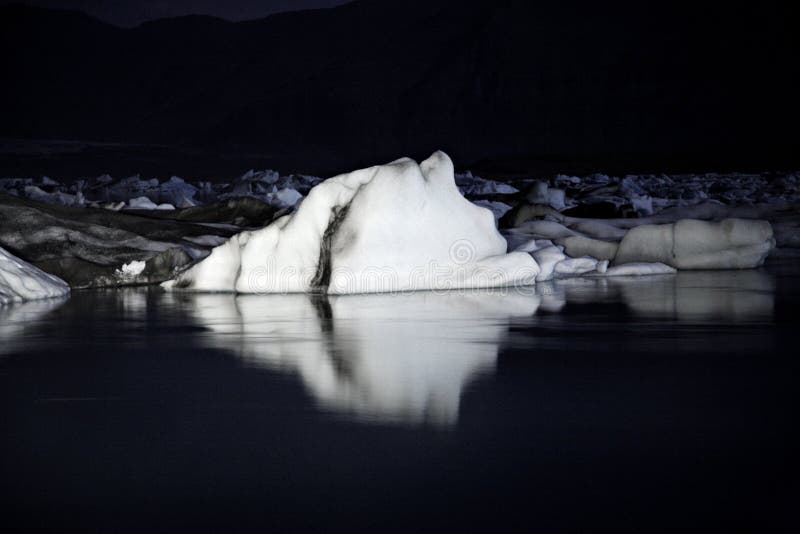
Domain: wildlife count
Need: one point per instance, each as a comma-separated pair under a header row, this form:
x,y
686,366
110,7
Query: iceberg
x,y
693,244
21,281
687,244
395,227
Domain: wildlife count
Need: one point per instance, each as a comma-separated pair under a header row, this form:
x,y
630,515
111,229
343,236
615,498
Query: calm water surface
x,y
633,404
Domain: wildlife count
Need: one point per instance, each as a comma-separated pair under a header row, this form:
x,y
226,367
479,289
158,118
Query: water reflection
x,y
686,296
705,296
19,322
401,358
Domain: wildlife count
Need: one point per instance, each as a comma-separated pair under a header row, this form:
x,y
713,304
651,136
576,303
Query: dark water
x,y
646,404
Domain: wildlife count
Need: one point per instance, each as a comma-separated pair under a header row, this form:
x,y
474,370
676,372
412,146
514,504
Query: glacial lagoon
x,y
574,402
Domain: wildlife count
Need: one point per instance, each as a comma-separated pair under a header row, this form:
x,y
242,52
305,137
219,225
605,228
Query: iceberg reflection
x,y
739,295
402,357
705,296
19,322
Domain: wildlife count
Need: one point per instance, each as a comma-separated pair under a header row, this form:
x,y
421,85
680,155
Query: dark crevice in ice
x,y
323,275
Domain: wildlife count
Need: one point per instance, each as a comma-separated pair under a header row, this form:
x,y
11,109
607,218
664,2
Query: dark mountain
x,y
504,82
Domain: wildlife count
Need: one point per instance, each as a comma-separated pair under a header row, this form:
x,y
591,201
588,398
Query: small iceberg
x,y
21,281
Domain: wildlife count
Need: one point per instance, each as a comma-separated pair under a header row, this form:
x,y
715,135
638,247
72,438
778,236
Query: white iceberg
x,y
395,227
21,281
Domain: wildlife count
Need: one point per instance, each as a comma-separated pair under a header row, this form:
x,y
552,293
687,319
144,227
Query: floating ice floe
x,y
144,203
34,192
685,244
21,281
285,198
541,193
178,193
548,258
470,185
692,244
400,226
130,188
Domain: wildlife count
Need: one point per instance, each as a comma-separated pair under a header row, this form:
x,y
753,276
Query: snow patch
x,y
130,270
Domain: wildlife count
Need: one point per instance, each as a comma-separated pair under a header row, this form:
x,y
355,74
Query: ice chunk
x,y
546,229
58,198
144,203
471,186
141,203
577,246
599,230
251,183
20,281
692,244
639,269
131,187
177,192
286,197
537,193
394,227
547,258
556,198
575,266
642,204
130,270
540,193
533,245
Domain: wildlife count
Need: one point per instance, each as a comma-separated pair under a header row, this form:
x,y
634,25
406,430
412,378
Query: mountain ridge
x,y
366,81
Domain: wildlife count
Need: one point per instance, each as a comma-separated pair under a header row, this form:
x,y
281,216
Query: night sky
x,y
132,13
507,86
